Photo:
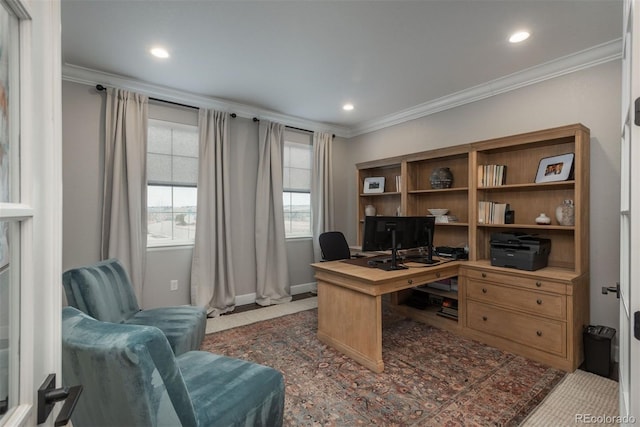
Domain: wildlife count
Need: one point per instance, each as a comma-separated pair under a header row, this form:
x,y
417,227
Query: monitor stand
x,y
394,256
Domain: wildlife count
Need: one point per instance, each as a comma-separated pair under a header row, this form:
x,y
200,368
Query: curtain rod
x,y
255,119
101,88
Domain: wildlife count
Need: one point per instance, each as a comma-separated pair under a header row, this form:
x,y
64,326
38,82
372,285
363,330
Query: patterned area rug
x,y
431,377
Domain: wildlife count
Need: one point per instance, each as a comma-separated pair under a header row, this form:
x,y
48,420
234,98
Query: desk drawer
x,y
537,303
541,334
515,279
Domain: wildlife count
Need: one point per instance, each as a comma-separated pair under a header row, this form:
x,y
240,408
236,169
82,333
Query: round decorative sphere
x,y
441,178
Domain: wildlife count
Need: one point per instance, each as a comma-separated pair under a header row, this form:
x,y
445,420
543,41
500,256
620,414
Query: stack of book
x,y
449,308
492,212
492,175
444,219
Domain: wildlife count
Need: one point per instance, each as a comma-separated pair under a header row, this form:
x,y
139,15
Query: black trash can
x,y
597,349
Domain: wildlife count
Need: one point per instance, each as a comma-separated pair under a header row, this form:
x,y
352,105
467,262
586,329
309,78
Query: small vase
x,y
565,213
370,210
441,178
543,219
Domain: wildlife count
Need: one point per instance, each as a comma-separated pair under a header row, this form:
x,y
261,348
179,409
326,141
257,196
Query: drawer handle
x,y
437,274
539,301
410,281
484,318
539,333
484,290
484,275
538,284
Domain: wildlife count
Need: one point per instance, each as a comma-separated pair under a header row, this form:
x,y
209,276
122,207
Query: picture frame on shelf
x,y
555,168
373,184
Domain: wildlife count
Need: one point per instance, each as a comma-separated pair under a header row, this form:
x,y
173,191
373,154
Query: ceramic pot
x,y
543,219
565,213
441,178
370,210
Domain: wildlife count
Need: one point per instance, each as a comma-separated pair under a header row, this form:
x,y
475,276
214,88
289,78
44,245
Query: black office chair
x,y
334,246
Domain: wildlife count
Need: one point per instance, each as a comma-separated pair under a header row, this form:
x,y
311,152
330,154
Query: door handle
x,y
48,395
616,289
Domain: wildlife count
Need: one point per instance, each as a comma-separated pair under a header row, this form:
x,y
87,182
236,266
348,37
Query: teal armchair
x,y
131,377
103,291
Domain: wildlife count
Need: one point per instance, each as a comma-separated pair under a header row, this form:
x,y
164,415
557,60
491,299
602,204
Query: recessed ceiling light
x,y
159,52
519,36
347,107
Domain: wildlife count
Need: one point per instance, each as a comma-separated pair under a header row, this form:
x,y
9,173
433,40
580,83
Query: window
x,y
296,196
172,178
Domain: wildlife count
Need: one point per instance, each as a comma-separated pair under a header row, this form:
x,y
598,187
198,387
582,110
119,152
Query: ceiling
x,y
305,59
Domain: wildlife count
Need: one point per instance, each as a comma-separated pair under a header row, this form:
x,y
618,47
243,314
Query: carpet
x,y
578,396
432,377
233,320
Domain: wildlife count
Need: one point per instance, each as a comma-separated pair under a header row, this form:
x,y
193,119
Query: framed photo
x,y
374,184
556,168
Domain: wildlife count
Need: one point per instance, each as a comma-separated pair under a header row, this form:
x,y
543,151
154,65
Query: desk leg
x,y
351,322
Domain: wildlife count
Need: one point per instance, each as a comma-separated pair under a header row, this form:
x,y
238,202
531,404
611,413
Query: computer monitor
x,y
382,233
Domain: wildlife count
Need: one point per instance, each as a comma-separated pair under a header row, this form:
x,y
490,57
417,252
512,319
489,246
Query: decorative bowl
x,y
438,212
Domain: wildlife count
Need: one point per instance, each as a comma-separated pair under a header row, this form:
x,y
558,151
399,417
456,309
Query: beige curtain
x,y
124,202
321,189
271,256
212,283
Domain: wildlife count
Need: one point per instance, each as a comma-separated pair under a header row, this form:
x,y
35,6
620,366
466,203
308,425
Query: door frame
x,y
39,211
629,347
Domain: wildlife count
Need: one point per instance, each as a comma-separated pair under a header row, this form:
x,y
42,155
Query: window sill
x,y
296,239
170,246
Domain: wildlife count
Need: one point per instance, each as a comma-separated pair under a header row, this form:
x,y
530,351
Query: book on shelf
x,y
398,183
492,212
492,175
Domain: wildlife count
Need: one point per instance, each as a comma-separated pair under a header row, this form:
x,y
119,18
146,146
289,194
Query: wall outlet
x,y
173,285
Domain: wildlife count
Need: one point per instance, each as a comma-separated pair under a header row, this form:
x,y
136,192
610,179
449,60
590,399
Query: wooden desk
x,y
350,304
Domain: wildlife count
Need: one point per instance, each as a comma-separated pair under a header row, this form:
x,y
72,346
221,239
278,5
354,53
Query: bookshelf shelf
x,y
442,190
530,187
386,193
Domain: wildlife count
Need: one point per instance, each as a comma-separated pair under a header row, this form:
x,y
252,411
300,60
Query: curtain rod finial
x,y
100,88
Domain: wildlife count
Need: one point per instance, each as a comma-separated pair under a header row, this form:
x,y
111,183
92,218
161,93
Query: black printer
x,y
519,250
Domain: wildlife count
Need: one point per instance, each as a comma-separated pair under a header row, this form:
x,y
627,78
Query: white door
x,y
30,206
629,356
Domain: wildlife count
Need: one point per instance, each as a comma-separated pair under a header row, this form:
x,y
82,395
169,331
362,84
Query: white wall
x,y
590,97
83,145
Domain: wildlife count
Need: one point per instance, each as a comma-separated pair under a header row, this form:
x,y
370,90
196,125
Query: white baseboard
x,y
295,290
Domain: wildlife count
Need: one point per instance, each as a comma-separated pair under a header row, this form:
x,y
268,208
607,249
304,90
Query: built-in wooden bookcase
x,y
521,155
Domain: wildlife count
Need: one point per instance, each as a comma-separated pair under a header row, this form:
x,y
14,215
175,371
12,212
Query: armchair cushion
x,y
104,292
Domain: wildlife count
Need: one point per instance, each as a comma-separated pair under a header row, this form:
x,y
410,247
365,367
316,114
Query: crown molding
x,y
578,61
87,76
584,59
